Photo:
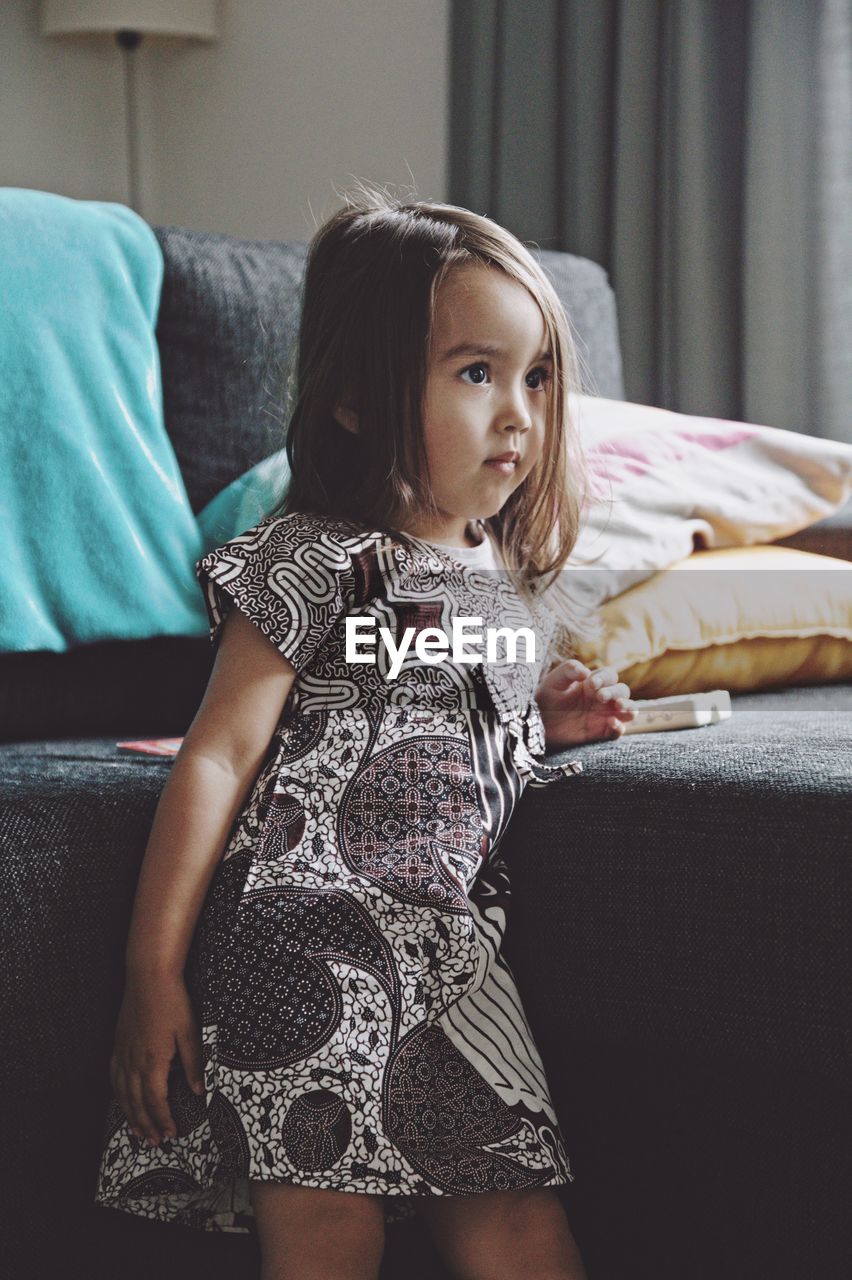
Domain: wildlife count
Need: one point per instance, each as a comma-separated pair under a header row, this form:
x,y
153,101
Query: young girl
x,y
316,1002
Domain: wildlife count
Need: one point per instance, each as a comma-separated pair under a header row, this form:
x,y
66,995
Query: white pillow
x,y
665,484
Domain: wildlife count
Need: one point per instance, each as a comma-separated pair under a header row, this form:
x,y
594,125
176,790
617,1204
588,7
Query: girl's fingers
x,y
570,672
128,1106
610,692
604,684
603,676
189,1047
138,1113
155,1090
575,665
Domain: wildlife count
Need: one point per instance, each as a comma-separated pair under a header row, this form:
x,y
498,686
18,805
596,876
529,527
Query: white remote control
x,y
682,711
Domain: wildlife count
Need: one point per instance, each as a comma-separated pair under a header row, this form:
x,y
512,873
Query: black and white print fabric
x,y
361,1029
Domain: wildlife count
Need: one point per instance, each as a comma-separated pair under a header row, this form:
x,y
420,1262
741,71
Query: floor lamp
x,y
129,21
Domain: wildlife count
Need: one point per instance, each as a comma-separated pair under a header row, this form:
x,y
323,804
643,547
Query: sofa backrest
x,y
227,323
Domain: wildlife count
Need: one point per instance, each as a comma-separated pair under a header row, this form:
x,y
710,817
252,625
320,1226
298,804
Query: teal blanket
x,y
99,539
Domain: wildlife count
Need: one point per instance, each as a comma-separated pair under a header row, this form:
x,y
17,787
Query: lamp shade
x,y
187,18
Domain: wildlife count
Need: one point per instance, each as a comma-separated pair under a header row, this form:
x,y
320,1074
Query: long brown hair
x,y
372,276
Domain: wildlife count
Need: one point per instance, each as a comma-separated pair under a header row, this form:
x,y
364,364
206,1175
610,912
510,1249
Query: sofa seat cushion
x,y
687,888
74,822
690,891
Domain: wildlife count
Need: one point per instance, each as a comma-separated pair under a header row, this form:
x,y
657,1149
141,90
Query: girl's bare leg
x,y
504,1235
311,1233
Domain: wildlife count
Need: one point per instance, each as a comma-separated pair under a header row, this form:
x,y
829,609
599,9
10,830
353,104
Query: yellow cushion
x,y
739,619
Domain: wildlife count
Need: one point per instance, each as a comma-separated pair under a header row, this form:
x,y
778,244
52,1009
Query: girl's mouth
x,y
499,464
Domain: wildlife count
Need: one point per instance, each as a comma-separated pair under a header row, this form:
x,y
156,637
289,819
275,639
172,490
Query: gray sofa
x,y
680,912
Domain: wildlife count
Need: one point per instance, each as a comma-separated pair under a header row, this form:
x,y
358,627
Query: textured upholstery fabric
x,y
701,883
717,920
589,303
679,932
229,314
695,888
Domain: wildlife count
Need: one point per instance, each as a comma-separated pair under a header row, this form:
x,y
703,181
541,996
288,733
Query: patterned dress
x,y
361,1029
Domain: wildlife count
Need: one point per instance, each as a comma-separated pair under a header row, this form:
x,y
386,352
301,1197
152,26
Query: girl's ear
x,y
347,417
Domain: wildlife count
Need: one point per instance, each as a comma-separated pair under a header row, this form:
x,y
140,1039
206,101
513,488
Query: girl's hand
x,y
579,705
155,1021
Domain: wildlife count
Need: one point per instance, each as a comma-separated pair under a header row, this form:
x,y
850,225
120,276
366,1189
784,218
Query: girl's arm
x,y
219,759
212,773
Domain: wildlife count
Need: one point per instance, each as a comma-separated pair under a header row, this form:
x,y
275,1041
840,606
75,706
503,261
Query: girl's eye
x,y
473,366
540,372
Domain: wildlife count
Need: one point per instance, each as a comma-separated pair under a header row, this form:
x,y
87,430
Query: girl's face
x,y
486,396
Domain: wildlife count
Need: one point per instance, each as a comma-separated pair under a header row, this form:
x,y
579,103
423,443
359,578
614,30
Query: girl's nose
x,y
514,413
519,420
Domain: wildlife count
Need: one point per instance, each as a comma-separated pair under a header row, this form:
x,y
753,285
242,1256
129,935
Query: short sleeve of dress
x,y
289,575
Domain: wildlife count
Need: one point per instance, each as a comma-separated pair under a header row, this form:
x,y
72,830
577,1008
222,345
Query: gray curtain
x,y
700,151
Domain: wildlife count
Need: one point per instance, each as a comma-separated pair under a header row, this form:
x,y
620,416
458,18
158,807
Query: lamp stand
x,y
129,42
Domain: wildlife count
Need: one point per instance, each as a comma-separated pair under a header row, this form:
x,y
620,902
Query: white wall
x,y
250,135
60,123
